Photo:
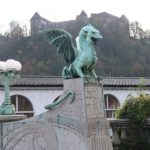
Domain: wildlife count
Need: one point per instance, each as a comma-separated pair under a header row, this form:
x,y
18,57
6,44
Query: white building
x,y
30,94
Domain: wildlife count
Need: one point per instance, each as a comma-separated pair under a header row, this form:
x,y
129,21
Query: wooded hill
x,y
119,54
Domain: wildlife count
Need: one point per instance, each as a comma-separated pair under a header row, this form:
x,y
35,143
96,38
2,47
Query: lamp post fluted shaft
x,y
7,100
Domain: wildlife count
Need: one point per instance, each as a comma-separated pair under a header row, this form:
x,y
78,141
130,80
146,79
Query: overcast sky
x,y
59,10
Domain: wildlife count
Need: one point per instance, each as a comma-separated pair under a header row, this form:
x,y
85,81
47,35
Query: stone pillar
x,y
123,133
94,118
115,138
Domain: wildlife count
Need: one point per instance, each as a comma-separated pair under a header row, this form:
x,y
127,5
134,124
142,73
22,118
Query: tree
x,y
136,110
135,30
25,30
16,32
147,34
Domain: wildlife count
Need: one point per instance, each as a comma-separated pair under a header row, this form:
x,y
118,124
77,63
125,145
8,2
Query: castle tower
x,y
83,17
38,23
34,23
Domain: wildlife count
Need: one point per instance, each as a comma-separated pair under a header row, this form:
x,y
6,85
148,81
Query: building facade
x,y
30,94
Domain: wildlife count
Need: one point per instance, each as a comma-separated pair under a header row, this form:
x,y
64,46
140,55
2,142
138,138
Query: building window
x,y
111,105
22,105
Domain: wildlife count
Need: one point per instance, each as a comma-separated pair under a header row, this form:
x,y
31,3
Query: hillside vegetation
x,y
118,54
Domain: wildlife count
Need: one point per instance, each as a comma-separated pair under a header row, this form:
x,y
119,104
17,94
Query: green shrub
x,y
136,109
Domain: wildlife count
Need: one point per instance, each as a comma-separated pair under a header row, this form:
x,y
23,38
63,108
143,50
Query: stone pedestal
x,y
8,118
92,112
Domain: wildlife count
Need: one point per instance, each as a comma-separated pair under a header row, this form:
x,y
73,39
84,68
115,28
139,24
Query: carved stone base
x,y
99,143
93,112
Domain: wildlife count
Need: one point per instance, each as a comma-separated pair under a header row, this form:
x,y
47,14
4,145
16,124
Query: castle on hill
x,y
104,21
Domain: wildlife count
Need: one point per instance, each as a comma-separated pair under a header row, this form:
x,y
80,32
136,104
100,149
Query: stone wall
x,y
76,121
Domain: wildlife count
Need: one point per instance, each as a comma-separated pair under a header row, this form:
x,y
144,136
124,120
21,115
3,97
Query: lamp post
x,y
9,71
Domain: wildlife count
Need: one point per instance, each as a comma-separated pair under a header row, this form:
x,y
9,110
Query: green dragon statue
x,y
80,60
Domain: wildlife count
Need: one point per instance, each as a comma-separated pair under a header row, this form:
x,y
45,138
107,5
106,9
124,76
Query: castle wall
x,y
103,21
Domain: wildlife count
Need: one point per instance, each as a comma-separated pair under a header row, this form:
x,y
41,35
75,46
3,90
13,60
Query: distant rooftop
x,y
103,14
54,81
36,16
83,13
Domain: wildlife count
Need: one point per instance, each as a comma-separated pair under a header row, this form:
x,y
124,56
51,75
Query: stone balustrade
x,y
118,130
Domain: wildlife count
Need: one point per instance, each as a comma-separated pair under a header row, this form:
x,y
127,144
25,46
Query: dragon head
x,y
91,33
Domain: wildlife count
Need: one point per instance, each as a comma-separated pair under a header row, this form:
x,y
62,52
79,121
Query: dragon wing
x,y
63,41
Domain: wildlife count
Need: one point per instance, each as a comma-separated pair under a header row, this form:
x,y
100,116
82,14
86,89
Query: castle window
x,y
22,105
111,105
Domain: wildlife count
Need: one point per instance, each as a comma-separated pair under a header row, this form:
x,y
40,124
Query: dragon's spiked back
x,y
63,41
